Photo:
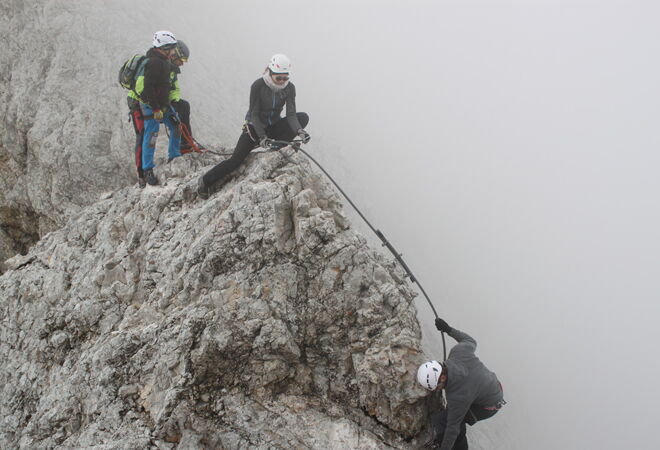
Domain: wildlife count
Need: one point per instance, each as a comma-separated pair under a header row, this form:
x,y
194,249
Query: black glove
x,y
266,143
304,136
441,325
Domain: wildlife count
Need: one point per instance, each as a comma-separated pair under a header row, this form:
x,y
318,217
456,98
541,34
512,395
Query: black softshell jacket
x,y
156,80
266,105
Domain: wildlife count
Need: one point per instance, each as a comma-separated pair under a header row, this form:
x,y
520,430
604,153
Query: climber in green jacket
x,y
156,85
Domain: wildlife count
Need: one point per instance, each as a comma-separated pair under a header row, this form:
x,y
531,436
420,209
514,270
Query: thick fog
x,y
510,150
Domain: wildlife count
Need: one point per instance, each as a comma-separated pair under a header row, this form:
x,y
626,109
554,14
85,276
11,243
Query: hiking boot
x,y
142,183
203,191
150,177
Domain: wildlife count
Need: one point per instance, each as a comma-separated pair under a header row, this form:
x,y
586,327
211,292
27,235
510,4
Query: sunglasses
x,y
179,54
281,78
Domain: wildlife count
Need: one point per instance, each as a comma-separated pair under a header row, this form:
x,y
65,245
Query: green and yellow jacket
x,y
156,81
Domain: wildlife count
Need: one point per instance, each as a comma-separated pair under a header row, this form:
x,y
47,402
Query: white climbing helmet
x,y
280,64
428,374
163,38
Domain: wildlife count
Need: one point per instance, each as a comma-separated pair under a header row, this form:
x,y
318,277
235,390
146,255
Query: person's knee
x,y
151,139
303,118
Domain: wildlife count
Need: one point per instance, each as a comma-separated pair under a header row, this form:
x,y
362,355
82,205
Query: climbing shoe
x,y
142,183
203,191
150,177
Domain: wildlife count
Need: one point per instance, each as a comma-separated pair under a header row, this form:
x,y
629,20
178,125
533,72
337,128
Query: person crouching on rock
x,y
153,85
263,122
473,392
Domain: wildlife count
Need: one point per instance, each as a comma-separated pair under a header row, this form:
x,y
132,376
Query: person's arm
x,y
175,89
458,335
291,115
156,83
164,85
255,110
463,338
455,416
148,94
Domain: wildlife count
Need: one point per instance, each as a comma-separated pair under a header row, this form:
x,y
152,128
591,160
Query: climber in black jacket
x,y
263,123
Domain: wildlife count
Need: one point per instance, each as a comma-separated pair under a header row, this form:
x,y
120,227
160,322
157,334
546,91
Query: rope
x,y
200,148
276,146
296,146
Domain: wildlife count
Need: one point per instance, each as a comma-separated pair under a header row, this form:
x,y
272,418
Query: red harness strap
x,y
190,141
138,123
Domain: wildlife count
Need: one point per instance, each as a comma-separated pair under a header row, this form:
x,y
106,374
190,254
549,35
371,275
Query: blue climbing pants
x,y
151,128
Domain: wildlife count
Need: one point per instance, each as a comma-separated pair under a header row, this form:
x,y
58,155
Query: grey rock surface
x,y
256,319
63,115
55,132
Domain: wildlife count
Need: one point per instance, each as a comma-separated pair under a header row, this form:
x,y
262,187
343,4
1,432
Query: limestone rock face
x,y
152,319
62,113
255,319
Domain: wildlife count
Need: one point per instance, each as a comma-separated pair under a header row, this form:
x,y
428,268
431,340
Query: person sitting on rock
x,y
473,392
263,123
153,85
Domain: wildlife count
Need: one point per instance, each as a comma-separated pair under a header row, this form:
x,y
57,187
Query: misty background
x,y
507,149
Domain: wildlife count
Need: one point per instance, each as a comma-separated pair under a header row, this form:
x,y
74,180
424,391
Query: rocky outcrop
x,y
62,113
151,319
256,319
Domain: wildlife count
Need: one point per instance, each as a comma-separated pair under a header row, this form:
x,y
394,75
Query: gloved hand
x,y
441,325
158,115
304,136
266,142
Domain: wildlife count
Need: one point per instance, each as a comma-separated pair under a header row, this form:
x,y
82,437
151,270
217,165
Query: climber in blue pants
x,y
151,128
154,82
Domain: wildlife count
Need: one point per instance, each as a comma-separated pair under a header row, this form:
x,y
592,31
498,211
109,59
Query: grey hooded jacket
x,y
469,383
266,106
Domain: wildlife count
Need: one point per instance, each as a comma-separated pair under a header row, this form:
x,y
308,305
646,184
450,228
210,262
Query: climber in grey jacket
x,y
269,95
473,392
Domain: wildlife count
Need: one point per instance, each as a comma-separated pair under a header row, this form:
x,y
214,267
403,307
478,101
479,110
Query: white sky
x,y
510,150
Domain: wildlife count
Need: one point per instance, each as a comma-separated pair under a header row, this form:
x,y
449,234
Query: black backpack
x,y
129,69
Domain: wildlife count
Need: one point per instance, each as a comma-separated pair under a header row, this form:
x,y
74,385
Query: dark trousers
x,y
138,126
474,415
280,130
182,108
